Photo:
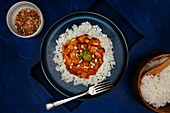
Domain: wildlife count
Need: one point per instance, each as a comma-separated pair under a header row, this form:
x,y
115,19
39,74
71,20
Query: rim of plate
x,y
85,12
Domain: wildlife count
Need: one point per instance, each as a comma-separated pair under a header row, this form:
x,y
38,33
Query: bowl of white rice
x,y
153,91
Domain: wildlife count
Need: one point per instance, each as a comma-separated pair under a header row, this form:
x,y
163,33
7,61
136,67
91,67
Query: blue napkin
x,y
131,35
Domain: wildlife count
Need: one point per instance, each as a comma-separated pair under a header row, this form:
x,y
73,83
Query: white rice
x,y
156,89
106,43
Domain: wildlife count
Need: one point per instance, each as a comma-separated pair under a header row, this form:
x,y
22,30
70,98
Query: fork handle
x,y
57,103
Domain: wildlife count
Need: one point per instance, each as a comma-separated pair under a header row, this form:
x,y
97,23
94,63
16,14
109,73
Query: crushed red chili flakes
x,y
27,21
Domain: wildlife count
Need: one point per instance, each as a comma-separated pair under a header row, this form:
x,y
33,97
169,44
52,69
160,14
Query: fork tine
x,y
103,90
105,87
102,85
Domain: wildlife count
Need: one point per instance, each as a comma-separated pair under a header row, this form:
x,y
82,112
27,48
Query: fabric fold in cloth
x,y
131,36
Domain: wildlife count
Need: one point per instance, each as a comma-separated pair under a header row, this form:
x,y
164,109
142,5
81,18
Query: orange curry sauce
x,y
83,56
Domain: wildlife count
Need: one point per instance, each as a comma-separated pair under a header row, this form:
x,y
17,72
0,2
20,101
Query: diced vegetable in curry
x,y
83,56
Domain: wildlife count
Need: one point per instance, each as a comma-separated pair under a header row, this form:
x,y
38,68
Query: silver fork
x,y
93,90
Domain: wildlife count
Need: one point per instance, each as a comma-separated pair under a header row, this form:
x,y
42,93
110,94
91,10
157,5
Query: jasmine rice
x,y
93,31
156,89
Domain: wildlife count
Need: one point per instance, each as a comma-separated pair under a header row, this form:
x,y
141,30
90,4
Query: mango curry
x,y
83,56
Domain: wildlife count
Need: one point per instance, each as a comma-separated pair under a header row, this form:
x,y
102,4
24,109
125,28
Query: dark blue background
x,y
21,93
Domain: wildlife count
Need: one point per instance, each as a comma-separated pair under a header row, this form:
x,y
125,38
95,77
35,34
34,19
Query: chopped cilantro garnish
x,y
88,50
88,59
85,53
79,57
82,53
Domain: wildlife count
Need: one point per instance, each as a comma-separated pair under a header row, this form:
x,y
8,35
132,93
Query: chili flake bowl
x,y
13,11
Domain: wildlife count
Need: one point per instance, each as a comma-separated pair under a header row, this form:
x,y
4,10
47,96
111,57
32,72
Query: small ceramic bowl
x,y
136,81
13,12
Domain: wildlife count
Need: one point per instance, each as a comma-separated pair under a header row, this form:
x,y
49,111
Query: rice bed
x,y
93,31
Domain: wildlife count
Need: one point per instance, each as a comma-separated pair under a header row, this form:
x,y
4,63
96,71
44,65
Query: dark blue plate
x,y
49,43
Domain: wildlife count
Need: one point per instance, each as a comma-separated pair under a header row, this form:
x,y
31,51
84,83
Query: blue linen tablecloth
x,y
21,93
131,35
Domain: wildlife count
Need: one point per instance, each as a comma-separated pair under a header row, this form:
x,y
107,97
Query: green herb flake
x,y
88,50
91,53
79,57
88,59
85,53
82,53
